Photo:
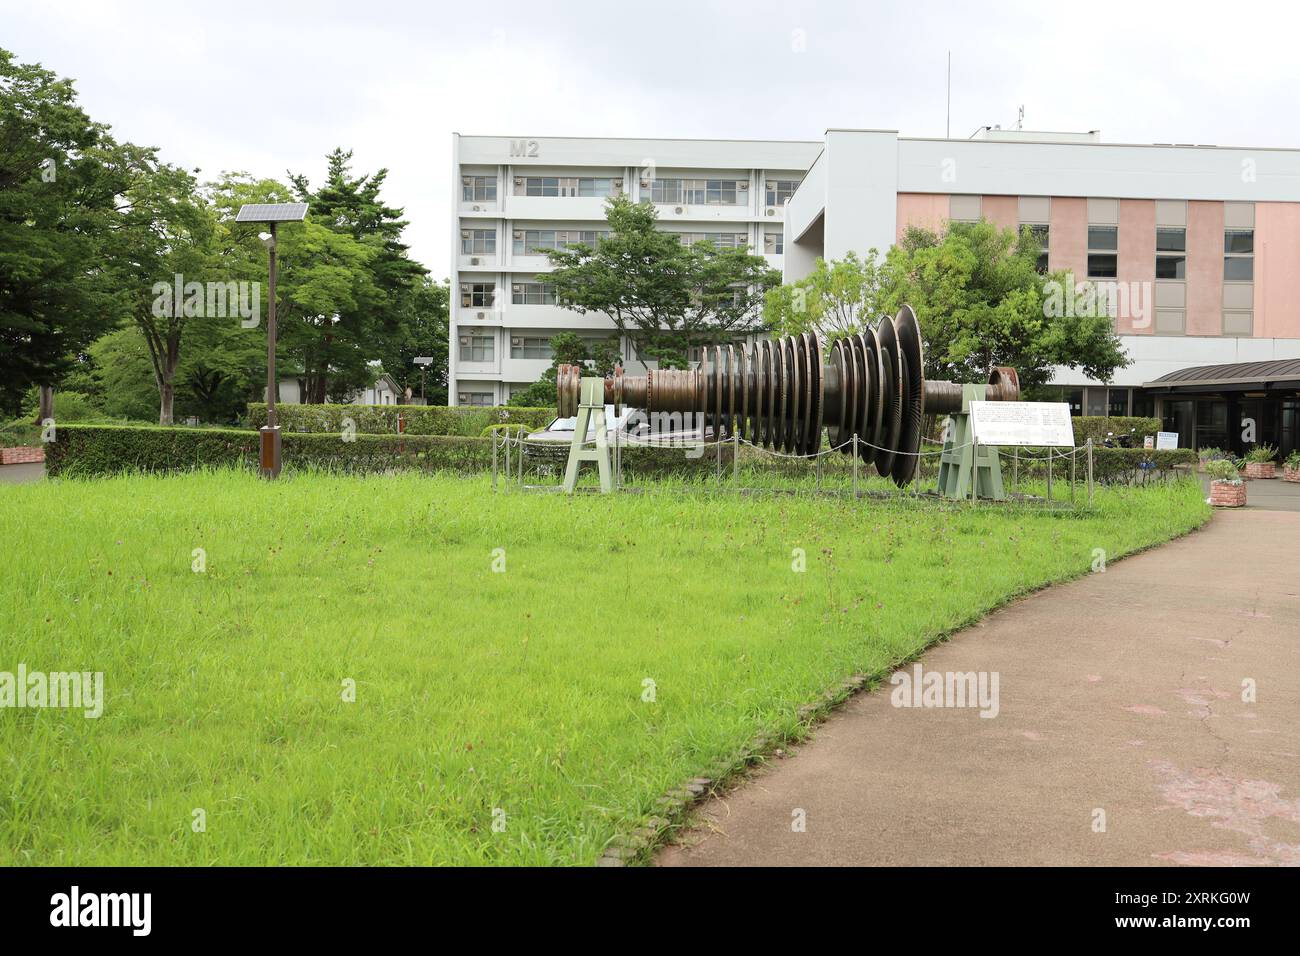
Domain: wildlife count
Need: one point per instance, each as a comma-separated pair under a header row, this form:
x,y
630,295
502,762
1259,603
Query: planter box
x,y
1261,469
21,455
1291,474
1225,494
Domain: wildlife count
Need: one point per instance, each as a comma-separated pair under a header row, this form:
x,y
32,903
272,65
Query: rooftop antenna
x,y
947,129
1020,120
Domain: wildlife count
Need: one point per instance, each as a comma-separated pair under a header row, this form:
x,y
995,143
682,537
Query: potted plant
x,y
1291,467
1227,490
1259,462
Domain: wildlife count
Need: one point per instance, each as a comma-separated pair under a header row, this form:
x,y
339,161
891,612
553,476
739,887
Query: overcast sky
x,y
274,85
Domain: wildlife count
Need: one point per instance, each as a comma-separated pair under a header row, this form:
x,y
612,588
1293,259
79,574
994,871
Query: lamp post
x,y
272,214
424,361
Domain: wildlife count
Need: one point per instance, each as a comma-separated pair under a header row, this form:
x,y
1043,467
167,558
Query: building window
x,y
477,295
779,190
478,188
722,240
537,241
1103,252
1117,402
1238,255
1042,235
698,192
1171,253
1074,397
476,348
1144,405
479,399
478,242
598,187
774,243
531,347
532,293
965,208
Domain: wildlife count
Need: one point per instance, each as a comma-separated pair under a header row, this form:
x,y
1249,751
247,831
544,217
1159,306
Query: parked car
x,y
553,442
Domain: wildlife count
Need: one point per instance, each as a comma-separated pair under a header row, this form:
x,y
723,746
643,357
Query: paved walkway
x,y
21,474
1118,693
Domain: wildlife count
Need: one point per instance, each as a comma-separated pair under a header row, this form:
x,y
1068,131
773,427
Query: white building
x,y
513,195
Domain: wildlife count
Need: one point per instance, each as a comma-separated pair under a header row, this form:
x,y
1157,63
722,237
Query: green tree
x,y
568,348
978,295
336,350
421,332
667,296
60,178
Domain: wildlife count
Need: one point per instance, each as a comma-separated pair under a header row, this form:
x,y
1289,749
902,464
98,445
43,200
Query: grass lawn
x,y
476,691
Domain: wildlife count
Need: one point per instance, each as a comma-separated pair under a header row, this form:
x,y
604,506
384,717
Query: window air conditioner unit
x,y
478,208
516,341
645,184
467,180
473,260
464,233
516,288
519,180
617,184
519,234
741,184
678,210
464,340
771,212
481,315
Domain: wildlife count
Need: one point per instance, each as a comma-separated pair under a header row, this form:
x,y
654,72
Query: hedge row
x,y
464,420
1097,426
1109,465
92,450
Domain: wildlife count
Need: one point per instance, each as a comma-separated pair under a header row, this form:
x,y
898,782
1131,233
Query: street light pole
x,y
271,388
272,214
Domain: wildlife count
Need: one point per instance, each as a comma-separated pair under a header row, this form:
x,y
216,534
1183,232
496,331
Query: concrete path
x,y
1119,694
21,474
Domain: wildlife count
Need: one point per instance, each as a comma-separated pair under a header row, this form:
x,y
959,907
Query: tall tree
x,y
421,333
979,297
60,178
335,356
668,296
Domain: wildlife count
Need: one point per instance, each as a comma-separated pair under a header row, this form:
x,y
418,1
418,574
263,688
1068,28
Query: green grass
x,y
475,690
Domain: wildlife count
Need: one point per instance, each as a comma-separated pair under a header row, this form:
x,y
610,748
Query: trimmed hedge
x,y
464,420
91,450
1109,465
1096,427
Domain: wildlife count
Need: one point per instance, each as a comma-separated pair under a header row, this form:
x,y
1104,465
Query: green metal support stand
x,y
592,402
966,469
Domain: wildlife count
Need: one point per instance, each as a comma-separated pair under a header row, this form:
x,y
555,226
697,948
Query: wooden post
x,y
494,461
1049,476
1073,456
819,471
506,445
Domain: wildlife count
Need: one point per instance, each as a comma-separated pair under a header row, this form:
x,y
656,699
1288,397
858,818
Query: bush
x,y
83,451
89,450
1261,453
1212,454
462,420
1096,427
1293,460
1109,465
1222,469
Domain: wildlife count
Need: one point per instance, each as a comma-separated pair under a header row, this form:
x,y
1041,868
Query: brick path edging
x,y
21,455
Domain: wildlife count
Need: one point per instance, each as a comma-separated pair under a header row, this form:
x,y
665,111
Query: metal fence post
x,y
494,461
1049,476
1090,472
506,444
735,462
819,471
855,466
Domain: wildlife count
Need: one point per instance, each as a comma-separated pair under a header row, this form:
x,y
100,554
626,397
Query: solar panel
x,y
272,212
